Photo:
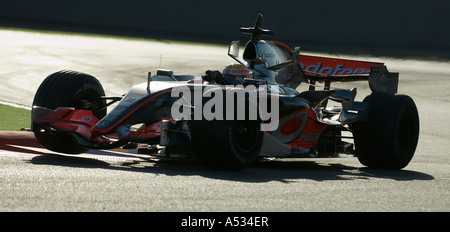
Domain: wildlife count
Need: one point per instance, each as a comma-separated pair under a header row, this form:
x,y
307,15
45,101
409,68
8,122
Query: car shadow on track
x,y
280,170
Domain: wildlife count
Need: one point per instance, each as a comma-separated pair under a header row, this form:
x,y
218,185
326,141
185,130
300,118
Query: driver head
x,y
235,73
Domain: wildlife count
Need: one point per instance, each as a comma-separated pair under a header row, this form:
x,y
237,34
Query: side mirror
x,y
233,51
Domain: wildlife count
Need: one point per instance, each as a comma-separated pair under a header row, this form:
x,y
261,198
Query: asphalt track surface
x,y
35,179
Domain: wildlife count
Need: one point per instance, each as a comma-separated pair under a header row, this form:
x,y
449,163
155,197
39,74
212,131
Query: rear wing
x,y
327,70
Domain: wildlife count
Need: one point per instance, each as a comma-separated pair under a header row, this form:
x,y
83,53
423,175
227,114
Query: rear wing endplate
x,y
381,80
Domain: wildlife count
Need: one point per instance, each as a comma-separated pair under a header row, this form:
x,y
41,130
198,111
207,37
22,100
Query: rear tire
x,y
67,89
389,138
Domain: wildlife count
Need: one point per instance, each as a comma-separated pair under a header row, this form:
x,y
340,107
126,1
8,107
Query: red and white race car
x,y
228,119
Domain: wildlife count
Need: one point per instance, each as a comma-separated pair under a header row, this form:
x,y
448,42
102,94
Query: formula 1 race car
x,y
229,119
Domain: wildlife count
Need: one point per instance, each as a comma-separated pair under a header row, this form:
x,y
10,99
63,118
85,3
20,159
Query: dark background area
x,y
415,28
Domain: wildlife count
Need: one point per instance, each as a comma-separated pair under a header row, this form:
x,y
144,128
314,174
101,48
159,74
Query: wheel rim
x,y
90,100
245,134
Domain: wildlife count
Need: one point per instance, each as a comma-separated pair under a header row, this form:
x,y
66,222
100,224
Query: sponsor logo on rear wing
x,y
333,66
327,69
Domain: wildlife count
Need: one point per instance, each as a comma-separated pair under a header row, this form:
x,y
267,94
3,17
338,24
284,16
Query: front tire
x,y
226,144
67,89
388,139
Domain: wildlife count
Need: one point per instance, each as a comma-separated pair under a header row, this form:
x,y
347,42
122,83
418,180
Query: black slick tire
x,y
231,145
388,139
67,89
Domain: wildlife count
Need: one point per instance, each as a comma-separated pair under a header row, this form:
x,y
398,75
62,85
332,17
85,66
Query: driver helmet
x,y
235,73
